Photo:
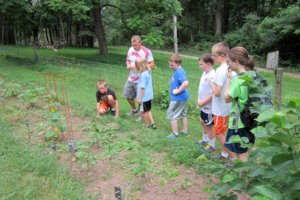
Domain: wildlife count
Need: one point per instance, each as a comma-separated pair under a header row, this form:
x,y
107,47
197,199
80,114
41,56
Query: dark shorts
x,y
208,119
236,147
146,106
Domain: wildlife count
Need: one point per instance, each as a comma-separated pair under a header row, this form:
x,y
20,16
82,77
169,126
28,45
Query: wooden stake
x,y
278,87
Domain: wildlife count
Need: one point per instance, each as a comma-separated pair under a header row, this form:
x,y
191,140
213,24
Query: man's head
x,y
101,84
136,42
174,61
219,51
206,62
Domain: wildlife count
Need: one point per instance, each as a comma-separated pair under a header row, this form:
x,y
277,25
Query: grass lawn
x,y
82,68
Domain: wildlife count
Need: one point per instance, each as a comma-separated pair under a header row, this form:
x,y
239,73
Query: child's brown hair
x,y
176,58
241,54
207,58
141,65
101,82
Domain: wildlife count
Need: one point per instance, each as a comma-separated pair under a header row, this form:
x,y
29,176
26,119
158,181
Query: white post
x,y
175,34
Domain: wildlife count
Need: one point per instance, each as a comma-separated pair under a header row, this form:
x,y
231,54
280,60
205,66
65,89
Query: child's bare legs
x,y
151,117
184,125
210,131
174,126
222,138
243,157
146,117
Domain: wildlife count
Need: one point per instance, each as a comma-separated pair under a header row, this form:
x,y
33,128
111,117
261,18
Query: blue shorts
x,y
208,119
236,147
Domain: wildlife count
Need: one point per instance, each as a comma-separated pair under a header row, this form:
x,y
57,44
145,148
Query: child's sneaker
x,y
183,133
139,119
202,143
209,150
172,136
153,126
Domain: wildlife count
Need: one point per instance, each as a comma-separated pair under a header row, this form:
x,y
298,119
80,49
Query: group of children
x,y
220,93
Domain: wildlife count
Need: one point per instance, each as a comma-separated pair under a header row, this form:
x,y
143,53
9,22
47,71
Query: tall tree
x,y
219,11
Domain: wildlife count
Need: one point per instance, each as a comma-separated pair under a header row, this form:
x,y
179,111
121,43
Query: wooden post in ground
x,y
272,63
175,34
278,86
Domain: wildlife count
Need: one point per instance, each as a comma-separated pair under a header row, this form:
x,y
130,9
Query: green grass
x,y
81,75
28,173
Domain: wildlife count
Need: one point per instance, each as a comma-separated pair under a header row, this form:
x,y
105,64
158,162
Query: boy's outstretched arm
x,y
204,101
181,88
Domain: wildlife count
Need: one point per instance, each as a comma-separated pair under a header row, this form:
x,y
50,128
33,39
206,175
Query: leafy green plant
x,y
10,89
32,95
273,169
84,154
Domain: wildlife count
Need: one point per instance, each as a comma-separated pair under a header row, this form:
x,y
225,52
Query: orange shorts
x,y
104,105
221,124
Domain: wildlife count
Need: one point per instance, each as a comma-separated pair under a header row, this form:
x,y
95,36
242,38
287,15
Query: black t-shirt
x,y
103,96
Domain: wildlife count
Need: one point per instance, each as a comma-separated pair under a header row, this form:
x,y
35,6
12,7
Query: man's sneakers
x,y
133,112
172,136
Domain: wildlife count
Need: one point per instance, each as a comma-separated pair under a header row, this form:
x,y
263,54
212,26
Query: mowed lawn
x,y
83,67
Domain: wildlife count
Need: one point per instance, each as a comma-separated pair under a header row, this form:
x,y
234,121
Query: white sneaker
x,y
139,119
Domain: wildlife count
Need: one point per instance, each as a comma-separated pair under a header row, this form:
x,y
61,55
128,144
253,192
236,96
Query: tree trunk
x,y
47,35
219,10
62,29
70,29
99,29
175,34
226,16
2,33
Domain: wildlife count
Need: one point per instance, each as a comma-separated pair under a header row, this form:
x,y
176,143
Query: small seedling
x,y
118,193
53,146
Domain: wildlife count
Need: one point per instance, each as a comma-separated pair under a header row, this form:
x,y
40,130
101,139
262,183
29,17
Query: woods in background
x,y
259,25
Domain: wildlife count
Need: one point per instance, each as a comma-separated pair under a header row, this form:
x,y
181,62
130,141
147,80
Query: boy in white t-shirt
x,y
205,100
220,109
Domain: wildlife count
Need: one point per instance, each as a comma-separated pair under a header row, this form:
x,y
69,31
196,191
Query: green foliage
x,y
285,24
29,173
32,95
9,89
246,36
154,38
273,169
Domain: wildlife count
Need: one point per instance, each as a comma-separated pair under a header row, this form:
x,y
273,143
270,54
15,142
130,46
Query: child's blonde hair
x,y
141,65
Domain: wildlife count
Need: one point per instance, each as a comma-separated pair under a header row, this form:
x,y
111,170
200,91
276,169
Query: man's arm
x,y
151,64
128,65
